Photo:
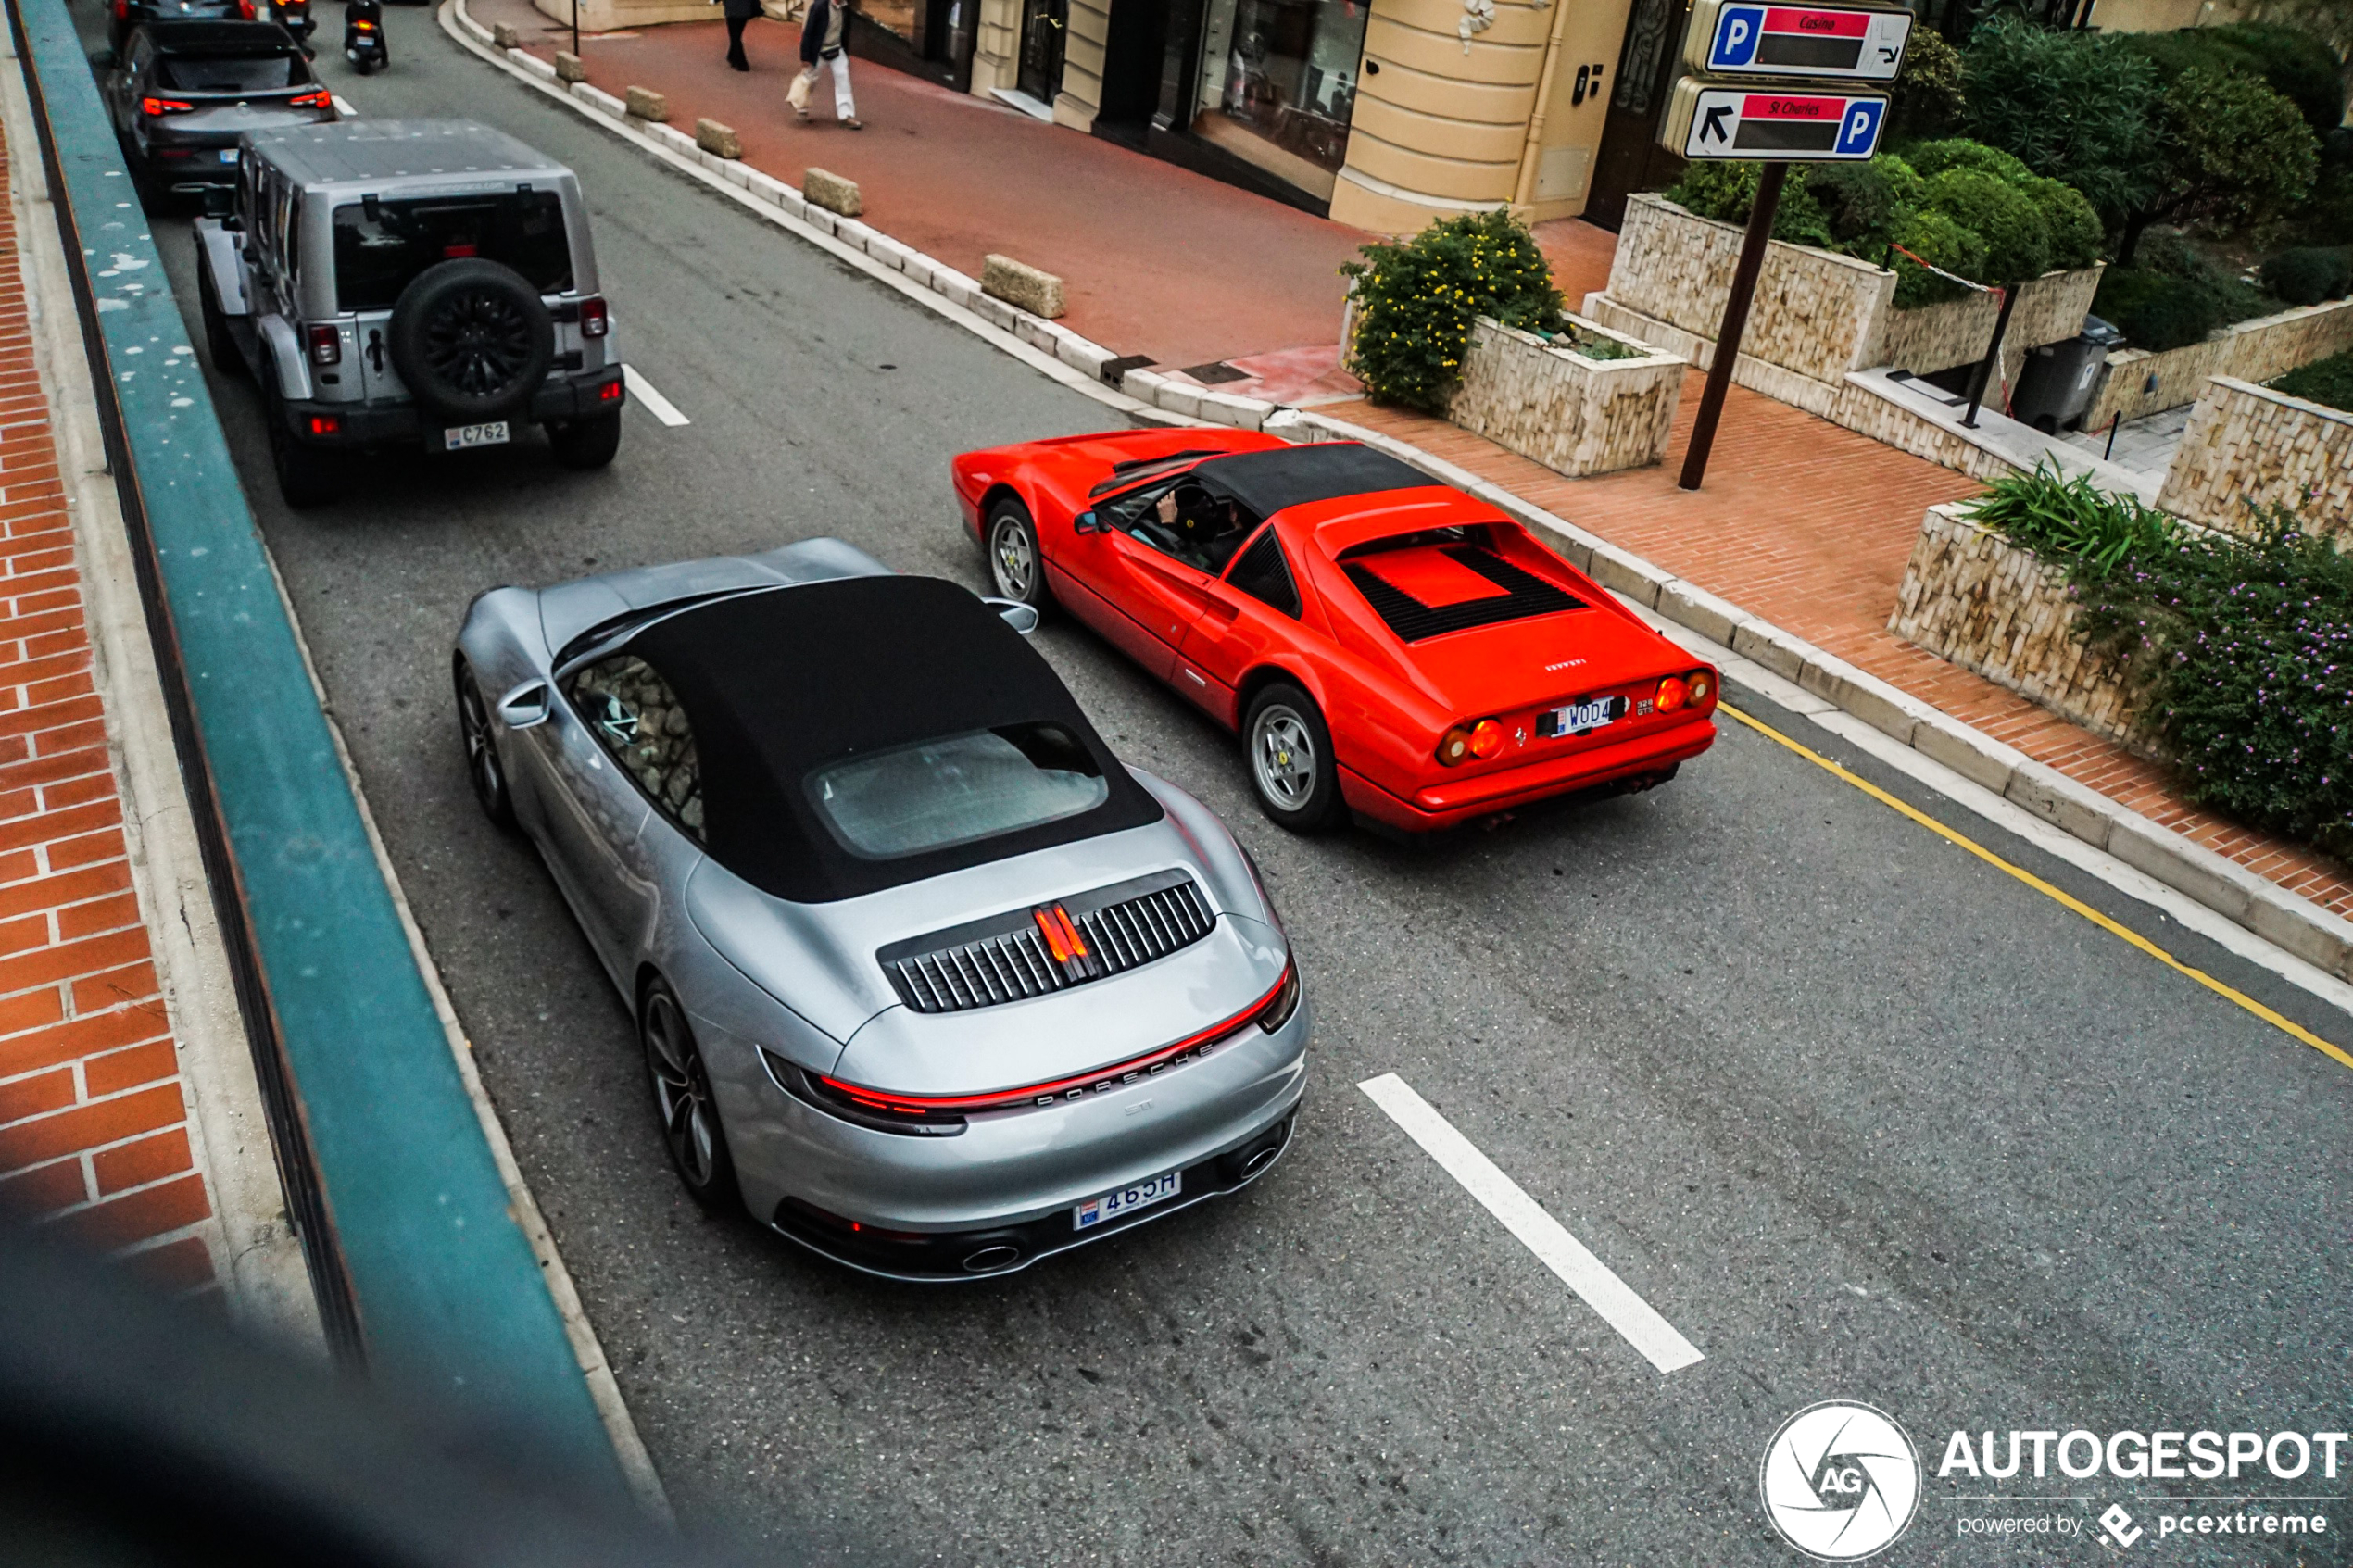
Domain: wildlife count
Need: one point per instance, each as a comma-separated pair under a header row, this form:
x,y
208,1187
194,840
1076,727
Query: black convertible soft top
x,y
1290,476
779,681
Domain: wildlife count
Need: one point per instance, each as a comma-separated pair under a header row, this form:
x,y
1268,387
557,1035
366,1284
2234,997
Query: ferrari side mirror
x,y
525,706
1087,523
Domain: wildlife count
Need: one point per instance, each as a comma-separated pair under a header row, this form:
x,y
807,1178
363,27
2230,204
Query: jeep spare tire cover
x,y
472,340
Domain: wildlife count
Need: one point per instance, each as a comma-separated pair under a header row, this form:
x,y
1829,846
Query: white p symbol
x,y
1859,128
1735,34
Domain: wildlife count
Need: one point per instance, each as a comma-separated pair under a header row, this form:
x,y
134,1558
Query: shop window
x,y
904,18
1279,84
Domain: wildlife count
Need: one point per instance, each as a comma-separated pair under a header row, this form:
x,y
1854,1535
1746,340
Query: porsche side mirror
x,y
1086,522
525,706
1022,618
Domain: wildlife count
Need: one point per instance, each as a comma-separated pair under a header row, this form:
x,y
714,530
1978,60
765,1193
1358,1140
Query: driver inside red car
x,y
1202,530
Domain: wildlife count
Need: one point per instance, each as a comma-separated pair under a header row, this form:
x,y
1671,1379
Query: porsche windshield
x,y
937,793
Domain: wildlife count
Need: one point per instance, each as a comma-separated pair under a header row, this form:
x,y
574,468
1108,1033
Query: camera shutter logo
x,y
1840,1481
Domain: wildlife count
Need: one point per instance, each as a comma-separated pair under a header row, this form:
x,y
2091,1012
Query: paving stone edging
x,y
2297,926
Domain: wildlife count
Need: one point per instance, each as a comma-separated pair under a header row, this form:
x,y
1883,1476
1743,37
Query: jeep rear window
x,y
381,246
223,74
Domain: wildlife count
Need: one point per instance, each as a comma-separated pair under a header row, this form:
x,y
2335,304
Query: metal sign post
x,y
1727,337
1992,358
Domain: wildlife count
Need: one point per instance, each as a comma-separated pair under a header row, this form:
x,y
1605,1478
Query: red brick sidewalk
x,y
1808,524
94,1129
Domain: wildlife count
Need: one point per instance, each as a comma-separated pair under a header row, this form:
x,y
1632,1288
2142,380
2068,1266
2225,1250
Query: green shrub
x,y
2017,241
2328,381
1727,191
2292,63
2310,275
1933,158
1858,200
1415,301
1938,239
2071,105
2076,233
2154,310
2231,152
2239,654
1928,99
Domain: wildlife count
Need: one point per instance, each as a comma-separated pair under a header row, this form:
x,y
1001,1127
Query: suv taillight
x,y
246,10
152,107
593,321
317,100
326,344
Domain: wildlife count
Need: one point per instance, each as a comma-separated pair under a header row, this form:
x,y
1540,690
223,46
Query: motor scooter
x,y
363,36
294,17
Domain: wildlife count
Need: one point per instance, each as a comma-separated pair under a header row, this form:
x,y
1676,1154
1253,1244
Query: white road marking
x,y
656,403
1525,1218
343,108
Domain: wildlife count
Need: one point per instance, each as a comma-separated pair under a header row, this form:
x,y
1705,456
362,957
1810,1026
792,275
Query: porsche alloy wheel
x,y
1290,758
690,1126
483,770
1015,565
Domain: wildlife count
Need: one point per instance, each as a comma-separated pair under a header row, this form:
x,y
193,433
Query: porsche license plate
x,y
457,438
1580,718
1097,1210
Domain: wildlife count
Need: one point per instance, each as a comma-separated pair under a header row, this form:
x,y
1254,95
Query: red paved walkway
x,y
94,1130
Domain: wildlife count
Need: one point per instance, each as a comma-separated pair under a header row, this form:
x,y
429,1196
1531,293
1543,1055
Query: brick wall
x,y
94,1132
2248,444
2257,350
1972,598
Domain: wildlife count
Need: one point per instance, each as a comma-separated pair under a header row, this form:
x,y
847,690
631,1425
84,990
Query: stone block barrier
x,y
718,140
1021,285
570,68
825,189
647,105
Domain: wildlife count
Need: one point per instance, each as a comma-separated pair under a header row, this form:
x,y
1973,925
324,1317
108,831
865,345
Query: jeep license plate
x,y
457,438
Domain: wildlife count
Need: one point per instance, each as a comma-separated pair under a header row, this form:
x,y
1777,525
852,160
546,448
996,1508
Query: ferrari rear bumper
x,y
1453,802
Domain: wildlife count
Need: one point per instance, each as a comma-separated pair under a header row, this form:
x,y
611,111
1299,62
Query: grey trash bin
x,y
2060,379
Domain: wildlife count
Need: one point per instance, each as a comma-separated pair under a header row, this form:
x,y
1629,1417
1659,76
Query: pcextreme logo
x,y
1840,1481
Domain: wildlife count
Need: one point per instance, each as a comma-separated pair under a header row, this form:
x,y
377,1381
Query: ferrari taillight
x,y
1672,692
1699,685
1476,741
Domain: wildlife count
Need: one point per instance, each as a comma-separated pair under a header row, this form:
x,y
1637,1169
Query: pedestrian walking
x,y
821,44
739,13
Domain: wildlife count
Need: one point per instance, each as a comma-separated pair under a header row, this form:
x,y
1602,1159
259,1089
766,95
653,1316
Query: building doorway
x,y
1044,25
1631,159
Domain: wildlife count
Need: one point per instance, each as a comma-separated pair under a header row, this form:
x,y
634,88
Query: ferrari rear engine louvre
x,y
1030,952
1388,580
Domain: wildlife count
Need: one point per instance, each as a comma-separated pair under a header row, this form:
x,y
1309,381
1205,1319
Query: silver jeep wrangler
x,y
388,282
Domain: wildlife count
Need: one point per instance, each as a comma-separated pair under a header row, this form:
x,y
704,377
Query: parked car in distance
x,y
122,15
391,283
926,979
181,94
1385,645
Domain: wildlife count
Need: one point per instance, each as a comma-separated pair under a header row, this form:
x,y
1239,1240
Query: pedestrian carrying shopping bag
x,y
798,91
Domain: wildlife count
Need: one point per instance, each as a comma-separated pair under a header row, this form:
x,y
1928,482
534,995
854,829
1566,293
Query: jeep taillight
x,y
593,321
326,344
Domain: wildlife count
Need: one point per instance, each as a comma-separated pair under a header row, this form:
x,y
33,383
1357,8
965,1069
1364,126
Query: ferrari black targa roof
x,y
1290,476
779,681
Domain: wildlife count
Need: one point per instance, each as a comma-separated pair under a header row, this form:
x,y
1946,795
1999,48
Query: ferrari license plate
x,y
1099,1211
457,438
1579,718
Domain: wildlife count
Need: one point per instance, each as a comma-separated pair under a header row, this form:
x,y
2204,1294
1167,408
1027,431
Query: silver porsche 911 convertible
x,y
925,978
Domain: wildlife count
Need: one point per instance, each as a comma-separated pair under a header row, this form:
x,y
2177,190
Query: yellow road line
x,y
2286,1025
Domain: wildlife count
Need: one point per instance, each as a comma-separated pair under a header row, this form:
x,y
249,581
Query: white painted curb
x,y
2297,926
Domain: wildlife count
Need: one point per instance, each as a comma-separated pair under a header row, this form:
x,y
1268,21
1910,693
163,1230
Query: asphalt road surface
x,y
1858,1115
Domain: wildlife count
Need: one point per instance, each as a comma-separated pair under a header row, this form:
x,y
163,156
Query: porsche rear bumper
x,y
1453,801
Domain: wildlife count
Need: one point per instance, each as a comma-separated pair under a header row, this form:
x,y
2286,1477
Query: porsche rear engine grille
x,y
1050,948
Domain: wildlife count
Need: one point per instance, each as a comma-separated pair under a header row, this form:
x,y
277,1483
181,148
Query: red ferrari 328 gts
x,y
1383,643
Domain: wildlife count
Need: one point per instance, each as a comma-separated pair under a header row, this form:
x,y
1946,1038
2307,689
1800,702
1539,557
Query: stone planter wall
x,y
2249,443
1972,598
1574,414
2141,383
1817,313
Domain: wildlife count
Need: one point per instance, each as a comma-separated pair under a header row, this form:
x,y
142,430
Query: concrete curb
x,y
2294,924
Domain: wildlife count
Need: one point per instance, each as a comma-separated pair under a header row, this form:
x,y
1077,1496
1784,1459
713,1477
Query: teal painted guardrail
x,y
422,1272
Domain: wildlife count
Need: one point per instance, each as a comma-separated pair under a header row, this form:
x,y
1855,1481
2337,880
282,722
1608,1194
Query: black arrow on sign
x,y
1712,127
1886,55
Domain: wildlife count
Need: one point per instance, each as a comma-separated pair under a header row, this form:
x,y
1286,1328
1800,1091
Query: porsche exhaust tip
x,y
1259,1160
988,1259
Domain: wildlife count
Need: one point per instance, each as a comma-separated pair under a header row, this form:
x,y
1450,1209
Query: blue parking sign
x,y
1859,135
1737,31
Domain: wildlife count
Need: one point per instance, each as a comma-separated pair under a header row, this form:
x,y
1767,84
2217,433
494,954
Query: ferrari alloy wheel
x,y
1016,566
483,770
1290,758
689,1114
